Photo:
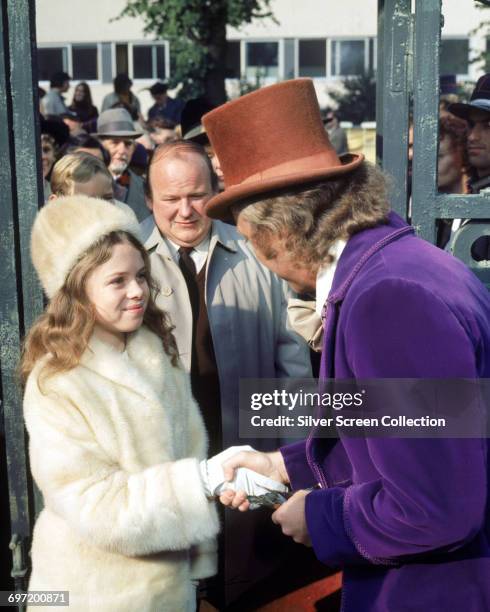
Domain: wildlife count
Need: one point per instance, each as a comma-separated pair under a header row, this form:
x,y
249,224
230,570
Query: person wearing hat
x,y
53,102
117,444
406,519
193,129
477,114
116,132
74,122
165,106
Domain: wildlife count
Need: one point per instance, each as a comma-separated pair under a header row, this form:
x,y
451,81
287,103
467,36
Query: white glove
x,y
246,480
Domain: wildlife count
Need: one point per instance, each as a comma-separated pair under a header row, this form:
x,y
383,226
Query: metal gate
x,y
408,53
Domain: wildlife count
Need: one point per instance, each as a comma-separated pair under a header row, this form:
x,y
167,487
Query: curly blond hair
x,y
308,219
63,331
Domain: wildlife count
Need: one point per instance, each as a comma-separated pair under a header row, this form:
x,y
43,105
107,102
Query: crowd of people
x,y
169,248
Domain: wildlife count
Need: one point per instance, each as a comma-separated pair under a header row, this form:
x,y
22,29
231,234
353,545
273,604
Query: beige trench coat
x,y
247,311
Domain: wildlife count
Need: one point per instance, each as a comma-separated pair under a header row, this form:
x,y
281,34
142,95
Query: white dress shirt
x,y
199,254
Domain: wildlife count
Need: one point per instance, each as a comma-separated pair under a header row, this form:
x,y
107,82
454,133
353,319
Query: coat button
x,y
166,291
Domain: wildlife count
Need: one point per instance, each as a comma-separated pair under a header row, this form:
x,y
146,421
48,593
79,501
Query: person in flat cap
x,y
117,134
406,519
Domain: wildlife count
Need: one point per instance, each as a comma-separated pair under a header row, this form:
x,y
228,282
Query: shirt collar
x,y
324,277
201,248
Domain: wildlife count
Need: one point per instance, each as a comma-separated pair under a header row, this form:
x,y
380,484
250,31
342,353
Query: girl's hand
x,y
267,464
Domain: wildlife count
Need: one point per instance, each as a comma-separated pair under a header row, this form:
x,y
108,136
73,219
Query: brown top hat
x,y
270,139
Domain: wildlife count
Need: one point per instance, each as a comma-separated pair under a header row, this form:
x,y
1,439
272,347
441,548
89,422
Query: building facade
x,y
322,39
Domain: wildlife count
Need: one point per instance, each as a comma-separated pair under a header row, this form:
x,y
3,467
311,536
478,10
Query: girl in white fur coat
x,y
115,435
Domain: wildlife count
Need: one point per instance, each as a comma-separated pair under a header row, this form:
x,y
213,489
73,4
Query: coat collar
x,y
360,248
222,234
141,367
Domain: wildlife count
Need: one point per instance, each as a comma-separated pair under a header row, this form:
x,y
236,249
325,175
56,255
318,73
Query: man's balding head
x,y
180,182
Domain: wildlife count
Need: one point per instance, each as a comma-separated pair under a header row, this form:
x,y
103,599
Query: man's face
x,y
121,150
65,86
180,188
478,143
300,278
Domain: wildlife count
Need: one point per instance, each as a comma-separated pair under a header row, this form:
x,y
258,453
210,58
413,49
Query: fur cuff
x,y
200,518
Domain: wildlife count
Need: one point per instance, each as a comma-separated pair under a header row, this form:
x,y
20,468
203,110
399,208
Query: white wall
x,y
315,18
76,21
73,21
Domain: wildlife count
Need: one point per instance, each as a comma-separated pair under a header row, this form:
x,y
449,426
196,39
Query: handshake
x,y
261,490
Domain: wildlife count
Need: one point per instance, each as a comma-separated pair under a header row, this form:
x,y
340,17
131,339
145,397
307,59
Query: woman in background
x,y
82,104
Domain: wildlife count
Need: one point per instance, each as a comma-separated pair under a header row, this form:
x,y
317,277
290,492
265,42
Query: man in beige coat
x,y
229,314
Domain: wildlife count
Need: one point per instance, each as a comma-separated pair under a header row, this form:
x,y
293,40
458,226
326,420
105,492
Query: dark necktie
x,y
186,263
188,269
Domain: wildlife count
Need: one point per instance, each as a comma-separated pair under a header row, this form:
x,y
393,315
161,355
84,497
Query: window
x,y
262,59
84,62
122,65
233,59
149,62
312,58
51,60
454,56
348,57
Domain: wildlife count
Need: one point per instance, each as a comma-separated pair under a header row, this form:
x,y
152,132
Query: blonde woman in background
x,y
81,173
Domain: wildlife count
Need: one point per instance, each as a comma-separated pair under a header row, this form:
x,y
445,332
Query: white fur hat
x,y
66,227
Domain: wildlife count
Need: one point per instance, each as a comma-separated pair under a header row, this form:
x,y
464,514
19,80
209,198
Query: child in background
x,y
81,173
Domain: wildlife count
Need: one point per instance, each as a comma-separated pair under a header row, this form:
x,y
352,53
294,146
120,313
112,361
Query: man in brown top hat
x,y
403,517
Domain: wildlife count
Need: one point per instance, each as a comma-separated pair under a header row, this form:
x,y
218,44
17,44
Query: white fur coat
x,y
114,448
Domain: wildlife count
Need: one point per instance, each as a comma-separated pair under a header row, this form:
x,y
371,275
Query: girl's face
x,y
118,291
47,157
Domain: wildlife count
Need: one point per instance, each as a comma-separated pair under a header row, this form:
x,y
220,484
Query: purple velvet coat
x,y
406,519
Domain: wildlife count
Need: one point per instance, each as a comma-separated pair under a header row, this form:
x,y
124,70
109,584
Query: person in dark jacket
x,y
164,106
